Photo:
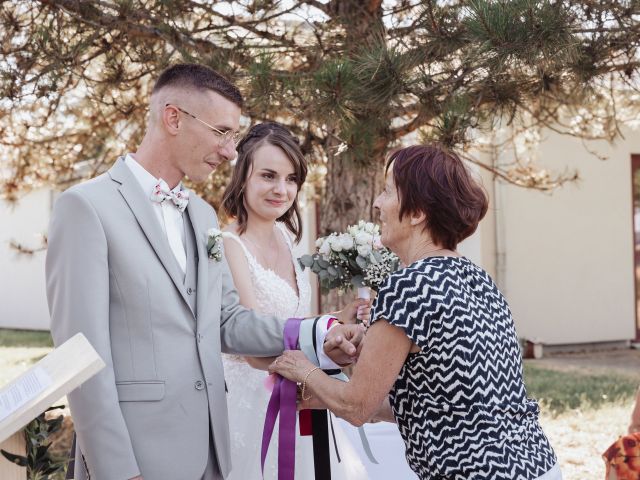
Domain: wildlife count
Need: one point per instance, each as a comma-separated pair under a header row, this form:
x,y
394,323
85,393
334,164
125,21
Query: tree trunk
x,y
348,197
350,187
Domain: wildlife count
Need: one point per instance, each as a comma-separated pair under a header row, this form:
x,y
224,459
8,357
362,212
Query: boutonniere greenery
x,y
214,244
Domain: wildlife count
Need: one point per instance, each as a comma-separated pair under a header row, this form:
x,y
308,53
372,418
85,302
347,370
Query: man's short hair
x,y
199,77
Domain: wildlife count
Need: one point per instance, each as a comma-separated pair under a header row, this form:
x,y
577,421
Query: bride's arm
x,y
239,267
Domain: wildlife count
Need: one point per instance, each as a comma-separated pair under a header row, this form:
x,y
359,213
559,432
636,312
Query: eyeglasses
x,y
225,136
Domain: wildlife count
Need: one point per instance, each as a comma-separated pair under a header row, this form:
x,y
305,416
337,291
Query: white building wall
x,y
23,301
568,256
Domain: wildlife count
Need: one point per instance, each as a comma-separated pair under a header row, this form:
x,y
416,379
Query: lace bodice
x,y
274,295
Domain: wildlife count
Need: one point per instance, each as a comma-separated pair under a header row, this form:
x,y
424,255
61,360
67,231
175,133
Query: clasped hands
x,y
342,344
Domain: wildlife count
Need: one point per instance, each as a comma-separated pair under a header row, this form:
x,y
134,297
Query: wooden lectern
x,y
27,396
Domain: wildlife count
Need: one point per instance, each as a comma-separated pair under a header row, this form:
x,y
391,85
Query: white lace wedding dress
x,y
247,397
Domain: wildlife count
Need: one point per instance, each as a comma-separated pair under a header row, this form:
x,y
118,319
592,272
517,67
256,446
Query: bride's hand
x,y
359,309
292,364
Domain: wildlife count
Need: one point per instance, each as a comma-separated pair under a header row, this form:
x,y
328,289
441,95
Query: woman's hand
x,y
292,365
359,309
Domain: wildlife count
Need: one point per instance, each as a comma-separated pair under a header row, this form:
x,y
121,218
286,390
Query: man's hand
x,y
343,343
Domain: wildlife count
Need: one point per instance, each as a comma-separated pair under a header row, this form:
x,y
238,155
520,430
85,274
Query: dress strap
x,y
249,256
286,234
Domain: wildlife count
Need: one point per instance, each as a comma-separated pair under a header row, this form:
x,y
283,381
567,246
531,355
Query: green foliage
x,y
523,31
560,391
38,461
361,76
333,85
261,82
25,338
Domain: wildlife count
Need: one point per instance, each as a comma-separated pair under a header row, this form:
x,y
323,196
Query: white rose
x,y
353,230
325,248
369,227
377,243
364,238
364,250
346,241
319,242
336,243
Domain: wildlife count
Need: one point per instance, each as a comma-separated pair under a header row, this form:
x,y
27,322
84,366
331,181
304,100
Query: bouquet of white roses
x,y
355,258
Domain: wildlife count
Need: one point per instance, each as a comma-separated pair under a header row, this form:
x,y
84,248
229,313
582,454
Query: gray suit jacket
x,y
111,275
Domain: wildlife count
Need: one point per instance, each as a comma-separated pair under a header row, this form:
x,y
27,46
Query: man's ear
x,y
171,120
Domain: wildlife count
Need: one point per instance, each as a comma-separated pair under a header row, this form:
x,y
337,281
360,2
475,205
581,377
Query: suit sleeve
x,y
77,279
244,332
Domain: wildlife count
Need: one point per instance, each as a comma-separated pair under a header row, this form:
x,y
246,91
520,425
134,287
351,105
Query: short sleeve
x,y
402,301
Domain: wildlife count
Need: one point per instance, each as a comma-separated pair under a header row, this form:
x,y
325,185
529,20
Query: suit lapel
x,y
142,209
197,223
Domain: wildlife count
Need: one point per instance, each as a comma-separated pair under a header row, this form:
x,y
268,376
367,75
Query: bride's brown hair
x,y
269,133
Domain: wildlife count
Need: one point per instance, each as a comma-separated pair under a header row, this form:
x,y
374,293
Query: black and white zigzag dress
x,y
460,403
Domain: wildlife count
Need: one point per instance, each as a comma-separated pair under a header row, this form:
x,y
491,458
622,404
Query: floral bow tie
x,y
162,192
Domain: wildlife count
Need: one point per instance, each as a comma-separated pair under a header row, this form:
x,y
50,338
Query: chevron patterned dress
x,y
460,403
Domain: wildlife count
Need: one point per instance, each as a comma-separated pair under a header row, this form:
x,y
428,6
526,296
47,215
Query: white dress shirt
x,y
170,218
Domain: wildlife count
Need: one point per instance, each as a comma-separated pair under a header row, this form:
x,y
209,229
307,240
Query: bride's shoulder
x,y
232,243
232,228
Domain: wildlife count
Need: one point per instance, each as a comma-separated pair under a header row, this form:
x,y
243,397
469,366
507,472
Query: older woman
x,y
441,347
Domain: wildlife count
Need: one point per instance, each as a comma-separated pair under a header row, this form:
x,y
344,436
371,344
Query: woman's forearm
x,y
340,398
385,413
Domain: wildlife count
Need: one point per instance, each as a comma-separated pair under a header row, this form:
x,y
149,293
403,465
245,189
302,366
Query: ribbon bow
x,y
283,404
162,192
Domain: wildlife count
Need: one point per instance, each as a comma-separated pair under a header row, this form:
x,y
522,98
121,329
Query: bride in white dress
x,y
261,197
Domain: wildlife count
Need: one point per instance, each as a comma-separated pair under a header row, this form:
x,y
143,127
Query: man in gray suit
x,y
127,265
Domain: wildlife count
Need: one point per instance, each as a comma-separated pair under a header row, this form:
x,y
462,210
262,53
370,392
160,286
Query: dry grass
x,y
580,437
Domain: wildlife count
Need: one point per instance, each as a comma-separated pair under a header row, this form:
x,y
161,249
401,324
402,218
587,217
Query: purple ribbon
x,y
283,402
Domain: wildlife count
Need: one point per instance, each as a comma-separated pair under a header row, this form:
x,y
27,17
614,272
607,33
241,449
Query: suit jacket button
x,y
199,385
189,291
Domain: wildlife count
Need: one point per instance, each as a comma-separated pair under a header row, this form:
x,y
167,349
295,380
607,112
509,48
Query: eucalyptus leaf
x,y
323,263
362,263
306,261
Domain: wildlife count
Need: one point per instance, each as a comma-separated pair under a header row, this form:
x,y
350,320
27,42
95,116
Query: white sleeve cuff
x,y
322,327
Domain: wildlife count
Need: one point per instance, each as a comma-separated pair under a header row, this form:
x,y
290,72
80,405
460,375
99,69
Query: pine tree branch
x,y
407,128
323,7
250,25
102,20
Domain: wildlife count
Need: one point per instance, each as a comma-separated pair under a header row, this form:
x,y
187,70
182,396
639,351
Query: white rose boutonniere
x,y
214,244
